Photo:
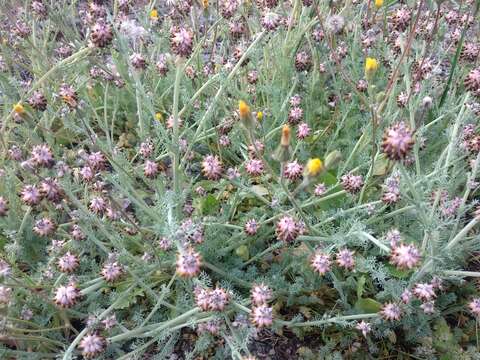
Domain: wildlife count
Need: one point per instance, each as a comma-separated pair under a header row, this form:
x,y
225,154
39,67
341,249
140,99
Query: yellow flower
x,y
259,116
243,109
154,14
314,167
159,116
378,4
18,108
371,64
205,4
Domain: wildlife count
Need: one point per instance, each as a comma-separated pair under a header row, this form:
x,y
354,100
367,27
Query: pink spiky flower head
x,y
42,155
391,311
352,183
262,316
320,189
428,307
68,262
44,227
77,233
92,345
270,21
344,259
181,41
202,298
405,256
293,170
287,229
397,141
472,81
474,306
320,262
218,299
406,296
251,227
303,131
101,34
188,263
424,291
67,296
30,195
260,294
146,148
51,190
254,167
212,167
96,160
112,271
150,169
38,101
165,243
98,205
295,115
364,327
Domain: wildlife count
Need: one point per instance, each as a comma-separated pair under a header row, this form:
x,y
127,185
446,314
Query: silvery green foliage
x,y
150,157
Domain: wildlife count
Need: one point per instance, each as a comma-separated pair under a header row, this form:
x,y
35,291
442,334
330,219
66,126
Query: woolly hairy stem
x,y
176,145
462,233
143,331
461,273
377,242
330,320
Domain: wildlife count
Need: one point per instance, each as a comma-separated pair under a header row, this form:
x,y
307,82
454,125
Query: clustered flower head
x,y
287,229
112,271
364,327
397,141
254,167
68,262
391,311
92,345
293,170
405,256
344,258
251,227
352,183
262,315
188,263
211,299
67,295
212,167
320,262
181,41
260,294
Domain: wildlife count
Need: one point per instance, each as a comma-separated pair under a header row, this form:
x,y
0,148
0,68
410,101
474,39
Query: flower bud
x,y
245,114
333,159
371,66
378,4
282,154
